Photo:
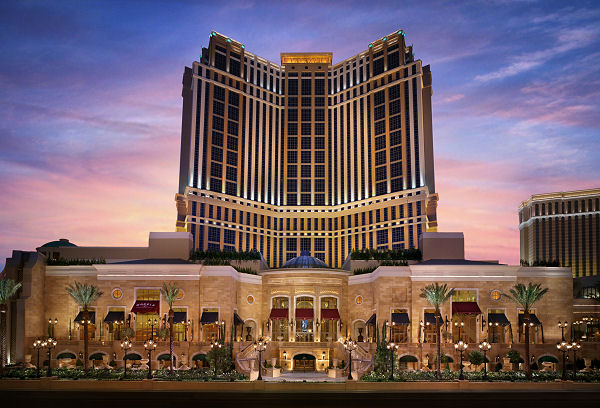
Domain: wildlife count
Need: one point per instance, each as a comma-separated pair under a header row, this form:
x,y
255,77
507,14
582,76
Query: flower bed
x,y
509,376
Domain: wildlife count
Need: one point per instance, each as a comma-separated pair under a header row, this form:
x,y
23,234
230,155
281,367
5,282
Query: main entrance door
x,y
304,362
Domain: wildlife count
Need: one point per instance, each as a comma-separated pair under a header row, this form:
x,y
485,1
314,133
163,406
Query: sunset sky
x,y
90,105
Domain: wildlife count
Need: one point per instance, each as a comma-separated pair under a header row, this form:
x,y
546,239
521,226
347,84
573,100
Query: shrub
x,y
127,332
514,356
476,358
67,262
249,271
498,367
362,271
163,333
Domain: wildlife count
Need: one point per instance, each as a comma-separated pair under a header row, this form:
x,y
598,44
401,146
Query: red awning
x,y
330,314
465,308
279,314
146,306
304,314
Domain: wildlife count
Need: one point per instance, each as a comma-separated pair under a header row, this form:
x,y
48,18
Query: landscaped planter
x,y
335,372
272,372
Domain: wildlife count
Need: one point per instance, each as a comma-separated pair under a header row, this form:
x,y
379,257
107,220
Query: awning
x,y
112,317
166,357
305,314
430,318
330,314
408,359
547,359
179,317
372,320
279,314
465,308
498,318
66,354
532,319
146,306
209,317
400,318
237,319
199,357
79,318
96,356
132,356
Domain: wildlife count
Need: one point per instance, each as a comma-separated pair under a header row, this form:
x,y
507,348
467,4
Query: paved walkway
x,y
292,376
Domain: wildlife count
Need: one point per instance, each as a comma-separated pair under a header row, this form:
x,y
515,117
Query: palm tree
x,y
170,292
437,295
84,295
526,297
8,288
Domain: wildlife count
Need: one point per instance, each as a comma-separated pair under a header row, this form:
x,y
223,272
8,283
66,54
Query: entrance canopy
x,y
305,314
330,314
146,306
465,308
279,314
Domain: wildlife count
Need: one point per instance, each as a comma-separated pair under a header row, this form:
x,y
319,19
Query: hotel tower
x,y
306,156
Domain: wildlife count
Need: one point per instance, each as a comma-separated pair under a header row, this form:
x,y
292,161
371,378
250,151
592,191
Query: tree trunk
x,y
171,314
527,365
86,318
3,310
439,346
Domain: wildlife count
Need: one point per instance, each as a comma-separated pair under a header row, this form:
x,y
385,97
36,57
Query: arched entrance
x,y
304,362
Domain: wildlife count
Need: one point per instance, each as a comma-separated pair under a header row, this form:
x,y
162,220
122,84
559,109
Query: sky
x,y
90,105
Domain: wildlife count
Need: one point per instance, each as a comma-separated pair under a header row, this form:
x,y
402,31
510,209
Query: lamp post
x,y
484,347
350,345
392,347
576,347
260,345
51,324
562,326
215,346
150,346
49,343
459,325
461,347
37,344
186,325
564,348
152,323
125,346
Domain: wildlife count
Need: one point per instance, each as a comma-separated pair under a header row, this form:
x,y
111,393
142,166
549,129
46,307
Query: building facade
x,y
303,307
306,155
562,227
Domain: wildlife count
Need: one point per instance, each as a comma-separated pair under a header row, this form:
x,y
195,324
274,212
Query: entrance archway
x,y
304,362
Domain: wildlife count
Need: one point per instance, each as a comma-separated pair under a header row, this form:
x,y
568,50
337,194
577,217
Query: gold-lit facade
x,y
306,155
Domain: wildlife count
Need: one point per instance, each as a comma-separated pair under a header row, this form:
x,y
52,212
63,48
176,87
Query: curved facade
x,y
306,155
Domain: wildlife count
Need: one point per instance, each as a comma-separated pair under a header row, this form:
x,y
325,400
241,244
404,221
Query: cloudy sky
x,y
90,105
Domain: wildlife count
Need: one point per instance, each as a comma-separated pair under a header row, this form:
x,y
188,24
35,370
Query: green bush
x,y
476,358
387,254
362,271
514,356
249,271
224,255
68,262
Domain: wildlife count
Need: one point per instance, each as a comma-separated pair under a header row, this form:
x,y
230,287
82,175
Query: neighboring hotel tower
x,y
306,156
562,227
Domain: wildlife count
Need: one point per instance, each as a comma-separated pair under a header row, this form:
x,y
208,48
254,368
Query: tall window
x,y
280,326
304,327
328,326
147,324
210,331
399,331
91,326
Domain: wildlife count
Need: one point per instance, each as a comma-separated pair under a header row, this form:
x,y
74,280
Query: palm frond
x,y
526,295
83,294
8,288
436,294
170,292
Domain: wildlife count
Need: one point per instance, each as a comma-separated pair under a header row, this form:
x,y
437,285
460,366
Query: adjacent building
x,y
562,228
306,155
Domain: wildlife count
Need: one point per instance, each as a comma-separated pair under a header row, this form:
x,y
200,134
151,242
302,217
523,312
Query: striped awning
x,y
400,318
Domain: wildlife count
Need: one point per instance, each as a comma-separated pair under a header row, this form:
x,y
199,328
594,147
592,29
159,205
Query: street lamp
x,y
152,323
576,347
260,345
49,343
51,324
461,347
350,345
125,346
150,346
562,326
37,344
564,348
392,347
459,325
485,347
215,346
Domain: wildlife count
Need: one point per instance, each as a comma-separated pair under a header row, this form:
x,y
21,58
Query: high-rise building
x,y
306,155
563,228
